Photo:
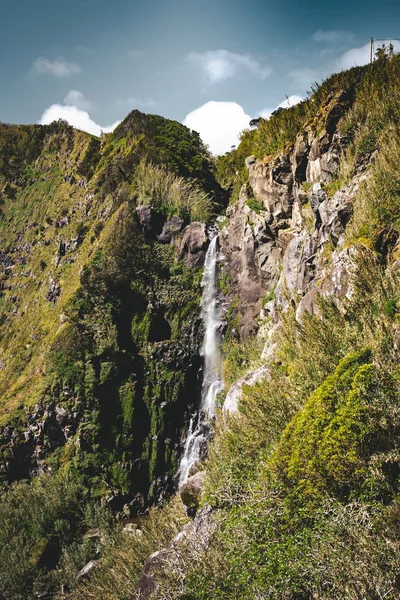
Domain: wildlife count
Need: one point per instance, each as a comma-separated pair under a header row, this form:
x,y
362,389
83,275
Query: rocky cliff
x,y
302,469
99,301
298,497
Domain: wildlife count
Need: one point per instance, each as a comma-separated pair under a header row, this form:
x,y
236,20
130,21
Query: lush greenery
x,y
99,356
170,194
53,527
304,478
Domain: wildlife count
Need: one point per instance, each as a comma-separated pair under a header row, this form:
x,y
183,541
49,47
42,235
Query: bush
x,y
38,521
328,445
170,194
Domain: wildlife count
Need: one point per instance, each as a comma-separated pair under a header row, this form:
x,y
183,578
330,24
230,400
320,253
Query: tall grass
x,y
170,194
124,554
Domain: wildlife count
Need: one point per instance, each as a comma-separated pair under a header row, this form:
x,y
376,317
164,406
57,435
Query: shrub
x,y
170,194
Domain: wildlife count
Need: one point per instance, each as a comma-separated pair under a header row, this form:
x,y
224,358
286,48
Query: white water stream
x,y
212,378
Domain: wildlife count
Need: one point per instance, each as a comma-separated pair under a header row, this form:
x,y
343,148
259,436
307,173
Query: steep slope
x,y
301,488
98,347
304,468
298,498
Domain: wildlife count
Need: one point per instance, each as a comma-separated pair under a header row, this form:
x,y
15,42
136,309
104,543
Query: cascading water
x,y
212,378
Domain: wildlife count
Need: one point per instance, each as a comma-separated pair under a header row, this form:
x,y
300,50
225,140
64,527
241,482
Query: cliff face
x,y
278,246
299,495
285,243
100,289
301,484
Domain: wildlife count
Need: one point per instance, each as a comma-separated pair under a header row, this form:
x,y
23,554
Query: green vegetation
x,y
96,326
97,321
171,195
255,205
53,527
39,521
306,474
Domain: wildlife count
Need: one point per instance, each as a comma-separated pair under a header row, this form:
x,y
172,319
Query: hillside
x,y
103,245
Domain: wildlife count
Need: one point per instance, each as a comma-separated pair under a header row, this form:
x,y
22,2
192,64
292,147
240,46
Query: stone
x,y
192,539
192,489
235,391
145,216
53,291
250,161
170,229
87,569
192,244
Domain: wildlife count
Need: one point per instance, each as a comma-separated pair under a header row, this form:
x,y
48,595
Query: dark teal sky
x,y
156,55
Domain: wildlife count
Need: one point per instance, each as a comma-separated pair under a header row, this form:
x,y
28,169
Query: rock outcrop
x,y
284,243
295,242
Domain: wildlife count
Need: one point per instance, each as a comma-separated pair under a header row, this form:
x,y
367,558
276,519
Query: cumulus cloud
x,y
333,36
58,67
76,98
287,103
220,65
360,56
76,117
219,124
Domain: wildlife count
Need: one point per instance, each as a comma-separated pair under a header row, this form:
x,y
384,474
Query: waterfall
x,y
212,379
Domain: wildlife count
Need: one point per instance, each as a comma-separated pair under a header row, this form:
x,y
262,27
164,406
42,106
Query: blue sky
x,y
220,62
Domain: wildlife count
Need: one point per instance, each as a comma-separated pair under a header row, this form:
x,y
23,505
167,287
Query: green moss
x,y
326,447
255,205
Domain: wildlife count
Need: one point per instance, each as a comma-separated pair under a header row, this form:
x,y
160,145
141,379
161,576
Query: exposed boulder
x,y
53,291
235,391
170,229
191,540
145,215
192,244
192,489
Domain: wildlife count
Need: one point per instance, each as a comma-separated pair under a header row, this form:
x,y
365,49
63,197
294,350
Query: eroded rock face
x,y
192,244
273,185
296,244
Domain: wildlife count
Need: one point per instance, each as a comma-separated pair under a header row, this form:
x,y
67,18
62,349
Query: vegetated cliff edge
x,y
300,498
101,248
301,488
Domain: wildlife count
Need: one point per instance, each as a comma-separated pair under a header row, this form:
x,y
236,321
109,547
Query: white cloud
x,y
360,56
58,67
75,98
290,101
219,124
333,36
76,117
220,65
